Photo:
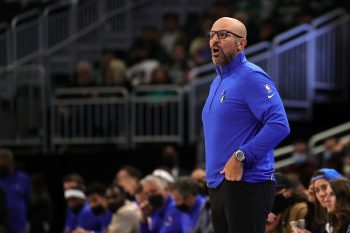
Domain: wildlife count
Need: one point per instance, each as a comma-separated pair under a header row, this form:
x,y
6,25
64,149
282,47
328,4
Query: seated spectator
x,y
141,73
337,203
198,175
128,177
171,34
320,182
159,212
199,52
76,208
178,66
74,187
85,75
116,74
126,214
185,193
17,187
98,217
147,47
289,206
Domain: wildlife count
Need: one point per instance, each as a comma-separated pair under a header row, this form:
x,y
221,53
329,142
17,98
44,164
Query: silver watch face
x,y
240,155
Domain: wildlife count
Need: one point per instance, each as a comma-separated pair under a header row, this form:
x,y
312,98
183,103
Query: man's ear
x,y
242,43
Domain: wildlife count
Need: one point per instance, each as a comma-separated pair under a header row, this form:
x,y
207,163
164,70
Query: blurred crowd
x,y
161,56
170,199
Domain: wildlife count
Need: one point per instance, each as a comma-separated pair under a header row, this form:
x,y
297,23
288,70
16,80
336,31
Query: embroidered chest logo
x,y
222,99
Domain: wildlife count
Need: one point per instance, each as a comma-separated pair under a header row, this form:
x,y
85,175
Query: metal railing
x,y
331,41
157,114
82,116
23,107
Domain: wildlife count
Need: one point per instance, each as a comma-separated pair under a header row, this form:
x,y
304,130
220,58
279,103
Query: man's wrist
x,y
239,155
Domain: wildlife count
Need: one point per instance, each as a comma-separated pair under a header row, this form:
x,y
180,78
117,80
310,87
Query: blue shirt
x,y
97,223
72,219
195,211
243,112
17,187
168,219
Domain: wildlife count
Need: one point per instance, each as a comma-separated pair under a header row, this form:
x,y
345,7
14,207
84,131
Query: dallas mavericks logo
x,y
222,99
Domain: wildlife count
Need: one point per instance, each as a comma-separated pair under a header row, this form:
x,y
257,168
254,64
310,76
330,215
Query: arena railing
x,y
331,41
4,44
23,105
157,114
89,116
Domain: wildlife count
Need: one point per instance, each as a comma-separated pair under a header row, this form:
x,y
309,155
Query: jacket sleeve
x,y
265,103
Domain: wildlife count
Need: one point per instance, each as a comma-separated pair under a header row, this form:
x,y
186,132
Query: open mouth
x,y
215,51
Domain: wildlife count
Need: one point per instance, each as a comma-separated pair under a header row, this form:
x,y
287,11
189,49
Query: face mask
x,y
183,207
76,209
156,201
114,207
280,204
98,210
4,171
299,158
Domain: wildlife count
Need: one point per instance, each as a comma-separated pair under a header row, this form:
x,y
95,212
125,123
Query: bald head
x,y
230,24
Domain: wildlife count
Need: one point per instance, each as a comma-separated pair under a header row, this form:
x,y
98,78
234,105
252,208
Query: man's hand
x,y
233,169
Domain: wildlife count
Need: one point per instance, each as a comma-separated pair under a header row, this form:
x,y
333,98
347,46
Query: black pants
x,y
241,207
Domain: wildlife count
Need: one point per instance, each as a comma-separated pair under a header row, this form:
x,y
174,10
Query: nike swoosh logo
x,y
270,96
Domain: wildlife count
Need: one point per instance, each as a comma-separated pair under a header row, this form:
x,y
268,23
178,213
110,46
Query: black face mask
x,y
98,210
76,209
4,171
114,207
281,203
156,201
183,207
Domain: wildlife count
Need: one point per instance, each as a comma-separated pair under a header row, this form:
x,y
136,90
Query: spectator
x,y
159,212
128,177
170,160
85,75
320,182
198,175
17,187
98,217
73,181
76,207
185,194
337,203
171,34
74,187
178,66
126,215
40,210
116,74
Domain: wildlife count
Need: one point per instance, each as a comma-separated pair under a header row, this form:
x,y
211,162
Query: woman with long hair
x,y
337,204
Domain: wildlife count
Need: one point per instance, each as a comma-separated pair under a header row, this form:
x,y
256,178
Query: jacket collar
x,y
226,70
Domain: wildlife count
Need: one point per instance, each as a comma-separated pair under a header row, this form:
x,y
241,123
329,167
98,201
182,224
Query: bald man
x,y
243,119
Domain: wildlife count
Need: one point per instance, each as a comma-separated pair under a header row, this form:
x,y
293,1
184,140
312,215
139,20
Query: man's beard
x,y
226,59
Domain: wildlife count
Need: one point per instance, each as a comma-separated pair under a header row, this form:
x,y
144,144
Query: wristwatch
x,y
239,155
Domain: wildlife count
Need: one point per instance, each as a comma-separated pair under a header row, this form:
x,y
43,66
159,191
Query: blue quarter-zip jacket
x,y
243,112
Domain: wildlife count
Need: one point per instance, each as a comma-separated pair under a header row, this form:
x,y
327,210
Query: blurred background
x,y
89,86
